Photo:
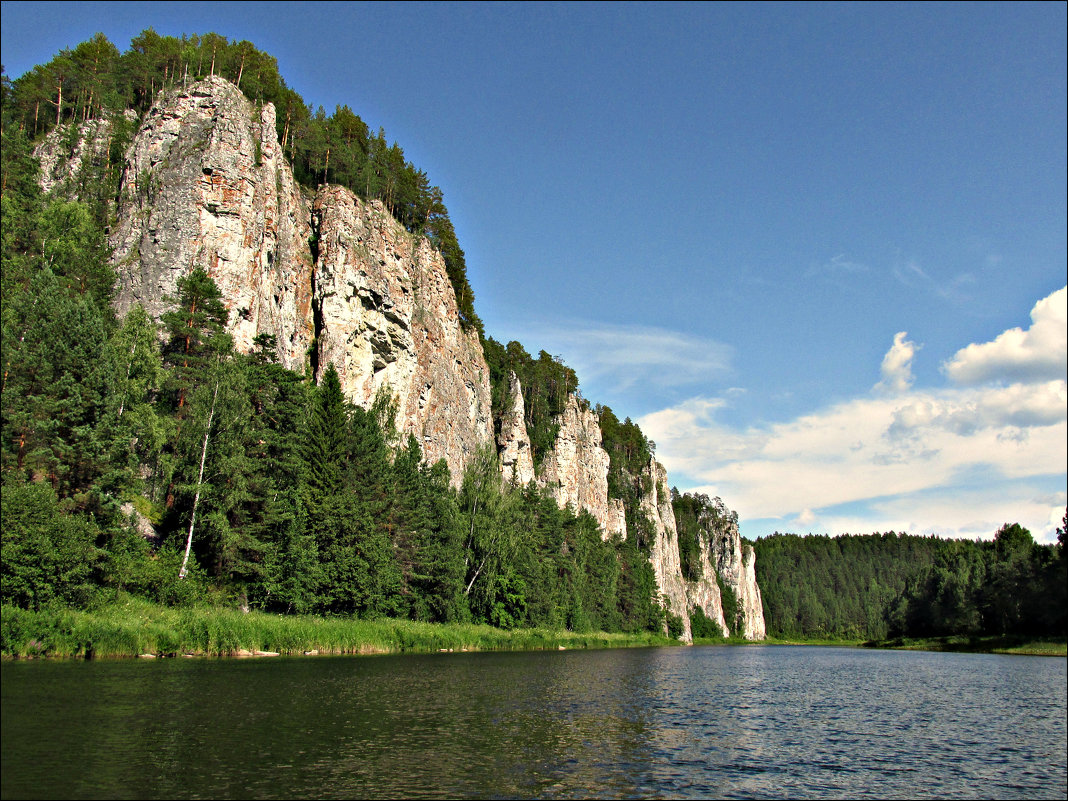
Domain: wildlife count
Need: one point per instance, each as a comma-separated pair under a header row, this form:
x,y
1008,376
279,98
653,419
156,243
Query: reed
x,y
132,627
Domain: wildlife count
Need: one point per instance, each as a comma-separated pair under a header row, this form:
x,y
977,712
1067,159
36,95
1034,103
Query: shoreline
x,y
131,628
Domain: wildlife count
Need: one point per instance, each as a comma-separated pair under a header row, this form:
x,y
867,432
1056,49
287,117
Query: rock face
x,y
705,593
206,185
740,573
513,443
67,148
664,550
575,471
334,280
723,553
389,319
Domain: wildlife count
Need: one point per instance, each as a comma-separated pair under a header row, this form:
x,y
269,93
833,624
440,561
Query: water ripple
x,y
755,722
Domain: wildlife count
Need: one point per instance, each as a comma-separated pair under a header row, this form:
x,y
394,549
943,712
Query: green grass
x,y
998,644
132,627
842,642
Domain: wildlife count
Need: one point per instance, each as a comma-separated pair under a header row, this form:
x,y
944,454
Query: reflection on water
x,y
764,722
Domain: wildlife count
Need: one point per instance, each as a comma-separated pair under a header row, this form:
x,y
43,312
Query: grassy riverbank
x,y
1027,646
134,627
1006,644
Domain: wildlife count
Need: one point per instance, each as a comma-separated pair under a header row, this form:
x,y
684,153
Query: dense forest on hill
x,y
888,585
154,459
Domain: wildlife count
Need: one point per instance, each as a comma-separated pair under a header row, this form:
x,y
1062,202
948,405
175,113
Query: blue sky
x,y
817,251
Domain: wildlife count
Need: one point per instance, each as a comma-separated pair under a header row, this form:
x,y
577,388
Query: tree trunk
x,y
59,103
200,479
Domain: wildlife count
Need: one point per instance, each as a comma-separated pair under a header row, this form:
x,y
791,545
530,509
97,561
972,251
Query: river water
x,y
701,722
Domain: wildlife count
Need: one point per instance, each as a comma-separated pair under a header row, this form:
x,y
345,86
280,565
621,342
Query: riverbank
x,y
133,628
1005,644
1022,646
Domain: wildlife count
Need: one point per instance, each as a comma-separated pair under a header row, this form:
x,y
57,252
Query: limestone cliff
x,y
705,593
206,185
513,442
388,318
664,548
334,280
575,471
724,554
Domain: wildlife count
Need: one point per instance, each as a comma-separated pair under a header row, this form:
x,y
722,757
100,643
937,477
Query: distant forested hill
x,y
879,585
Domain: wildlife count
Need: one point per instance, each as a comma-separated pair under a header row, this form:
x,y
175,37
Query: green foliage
x,y
46,556
629,454
701,627
732,612
889,585
130,627
687,521
546,384
58,371
836,587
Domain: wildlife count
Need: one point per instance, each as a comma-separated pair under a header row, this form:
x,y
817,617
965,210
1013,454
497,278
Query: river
x,y
701,722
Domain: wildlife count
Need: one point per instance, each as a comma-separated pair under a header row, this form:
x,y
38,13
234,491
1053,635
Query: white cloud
x,y
620,356
1017,406
897,366
1039,353
840,265
956,461
955,289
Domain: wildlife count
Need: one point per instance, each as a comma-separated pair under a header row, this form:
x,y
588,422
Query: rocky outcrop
x,y
575,471
513,442
664,548
206,185
752,605
389,320
334,280
737,569
66,149
704,593
724,554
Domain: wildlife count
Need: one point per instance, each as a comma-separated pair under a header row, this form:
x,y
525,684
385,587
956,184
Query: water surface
x,y
725,722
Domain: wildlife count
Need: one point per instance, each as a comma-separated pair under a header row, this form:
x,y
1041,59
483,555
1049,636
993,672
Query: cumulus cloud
x,y
1019,406
1037,354
897,366
956,461
865,451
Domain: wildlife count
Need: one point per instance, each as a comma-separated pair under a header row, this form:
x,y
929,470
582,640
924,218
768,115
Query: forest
x,y
880,586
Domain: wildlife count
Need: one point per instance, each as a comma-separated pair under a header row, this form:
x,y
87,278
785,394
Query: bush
x,y
46,556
